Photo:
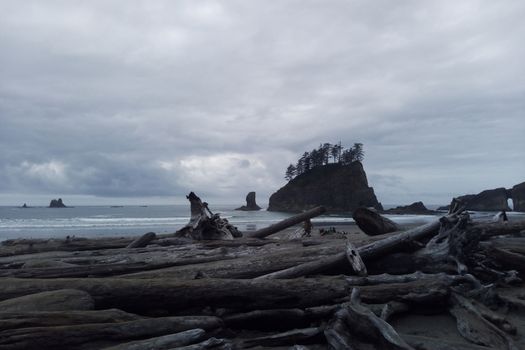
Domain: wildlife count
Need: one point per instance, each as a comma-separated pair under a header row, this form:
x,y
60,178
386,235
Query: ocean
x,y
99,221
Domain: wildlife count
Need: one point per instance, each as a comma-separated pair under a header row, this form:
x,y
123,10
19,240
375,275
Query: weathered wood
x,y
54,300
29,246
67,337
163,342
476,329
509,259
212,343
426,343
171,295
143,240
254,262
355,260
363,321
204,224
372,223
368,251
11,320
281,225
154,296
301,336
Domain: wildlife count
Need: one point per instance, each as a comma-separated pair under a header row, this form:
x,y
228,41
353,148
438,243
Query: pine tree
x,y
290,172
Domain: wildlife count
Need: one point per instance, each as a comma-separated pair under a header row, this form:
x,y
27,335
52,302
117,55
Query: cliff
x,y
518,196
337,187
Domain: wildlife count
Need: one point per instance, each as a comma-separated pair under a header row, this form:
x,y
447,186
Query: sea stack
x,y
57,203
250,203
338,187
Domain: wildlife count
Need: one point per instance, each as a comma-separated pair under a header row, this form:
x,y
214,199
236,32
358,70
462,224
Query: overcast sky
x,y
143,101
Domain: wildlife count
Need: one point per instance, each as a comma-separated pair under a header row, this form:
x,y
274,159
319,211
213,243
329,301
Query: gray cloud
x,y
142,99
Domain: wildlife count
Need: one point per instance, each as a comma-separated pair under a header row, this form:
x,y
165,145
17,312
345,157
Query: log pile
x,y
190,291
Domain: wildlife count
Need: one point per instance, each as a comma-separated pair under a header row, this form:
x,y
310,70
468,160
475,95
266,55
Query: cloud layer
x,y
136,99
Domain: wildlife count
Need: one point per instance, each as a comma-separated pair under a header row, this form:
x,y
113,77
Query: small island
x,y
57,203
251,205
331,176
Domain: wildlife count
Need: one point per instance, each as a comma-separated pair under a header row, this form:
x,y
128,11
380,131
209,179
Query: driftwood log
x,y
372,223
188,293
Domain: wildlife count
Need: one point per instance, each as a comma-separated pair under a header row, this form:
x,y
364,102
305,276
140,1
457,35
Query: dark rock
x,y
414,208
337,187
250,203
444,207
488,200
24,206
518,197
57,203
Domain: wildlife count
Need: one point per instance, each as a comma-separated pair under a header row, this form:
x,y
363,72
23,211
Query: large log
x,y
158,296
54,300
154,296
255,263
372,223
11,320
281,225
143,240
69,337
369,251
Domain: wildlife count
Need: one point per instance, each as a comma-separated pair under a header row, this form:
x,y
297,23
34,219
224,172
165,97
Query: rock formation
x,y
414,208
250,203
337,187
57,203
488,200
518,196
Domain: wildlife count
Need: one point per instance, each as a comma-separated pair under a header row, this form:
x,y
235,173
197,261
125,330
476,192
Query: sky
x,y
141,102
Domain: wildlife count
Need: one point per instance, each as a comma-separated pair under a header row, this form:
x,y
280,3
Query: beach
x,y
97,281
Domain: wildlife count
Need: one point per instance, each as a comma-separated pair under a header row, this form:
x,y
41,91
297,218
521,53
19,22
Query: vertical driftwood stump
x,y
206,225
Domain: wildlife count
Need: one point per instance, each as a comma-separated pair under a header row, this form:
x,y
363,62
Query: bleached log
x,y
143,240
281,225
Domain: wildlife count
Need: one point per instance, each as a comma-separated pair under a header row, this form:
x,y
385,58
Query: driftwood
x,y
143,240
11,320
369,251
372,223
67,337
180,284
204,224
164,342
477,329
294,220
54,300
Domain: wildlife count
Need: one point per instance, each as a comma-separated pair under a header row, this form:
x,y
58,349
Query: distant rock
x,y
337,187
518,196
57,203
414,208
250,203
488,200
24,206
